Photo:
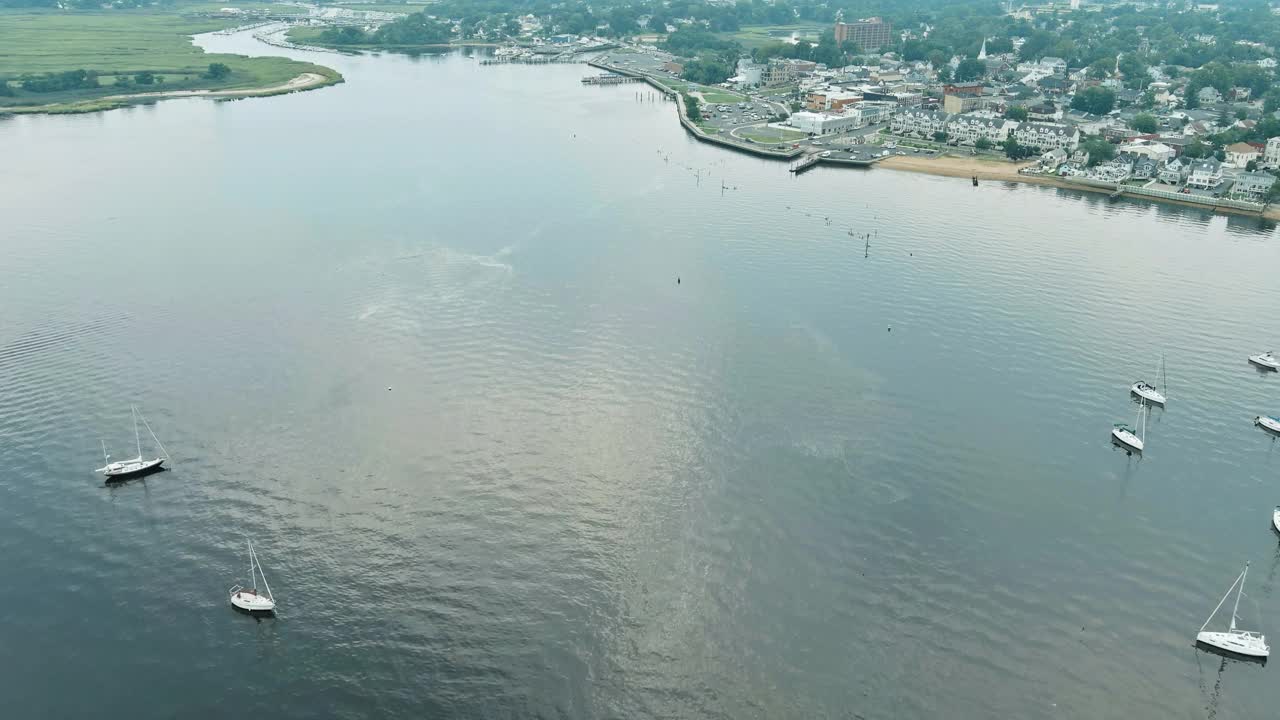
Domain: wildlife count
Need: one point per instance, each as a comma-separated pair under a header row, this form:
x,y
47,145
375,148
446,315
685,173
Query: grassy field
x,y
126,42
754,36
713,95
771,135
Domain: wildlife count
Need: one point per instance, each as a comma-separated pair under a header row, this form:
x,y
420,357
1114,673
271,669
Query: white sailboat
x,y
137,466
1240,642
1266,360
1127,437
251,599
1275,518
1149,392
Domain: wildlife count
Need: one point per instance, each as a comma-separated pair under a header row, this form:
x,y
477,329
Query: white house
x,y
969,129
918,122
1271,157
1159,152
1205,174
1174,172
1047,136
1253,185
1241,154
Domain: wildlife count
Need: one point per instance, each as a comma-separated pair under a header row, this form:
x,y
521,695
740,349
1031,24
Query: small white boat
x,y
1129,438
251,599
1149,392
1266,360
1275,518
1240,642
1268,422
122,469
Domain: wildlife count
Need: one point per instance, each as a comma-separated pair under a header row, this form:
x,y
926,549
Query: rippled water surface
x,y
420,336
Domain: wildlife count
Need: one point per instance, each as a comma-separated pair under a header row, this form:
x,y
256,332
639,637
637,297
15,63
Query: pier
x,y
610,79
806,163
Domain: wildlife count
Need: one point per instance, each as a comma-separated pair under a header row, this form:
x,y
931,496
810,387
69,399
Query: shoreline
x,y
303,82
997,170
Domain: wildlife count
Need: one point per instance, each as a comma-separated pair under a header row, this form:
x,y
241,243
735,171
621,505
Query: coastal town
x,y
1080,125
1207,136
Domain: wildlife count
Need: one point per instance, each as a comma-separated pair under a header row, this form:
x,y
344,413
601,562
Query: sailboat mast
x,y
136,437
265,584
1239,592
251,582
1224,599
105,457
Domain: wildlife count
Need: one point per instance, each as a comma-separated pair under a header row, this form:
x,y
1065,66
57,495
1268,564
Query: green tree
x,y
347,35
1251,166
1144,123
940,136
1016,112
1099,149
984,144
1242,114
970,69
691,108
1096,100
1100,69
944,74
1014,151
145,78
1271,101
1197,149
218,71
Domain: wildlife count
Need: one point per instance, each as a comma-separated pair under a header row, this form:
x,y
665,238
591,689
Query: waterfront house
x,y
1052,159
1174,172
1252,186
922,123
1205,174
969,129
1047,136
1144,168
1241,154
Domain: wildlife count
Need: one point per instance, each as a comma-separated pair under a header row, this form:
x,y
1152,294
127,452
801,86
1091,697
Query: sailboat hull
x,y
1236,643
1148,393
1126,440
131,469
249,601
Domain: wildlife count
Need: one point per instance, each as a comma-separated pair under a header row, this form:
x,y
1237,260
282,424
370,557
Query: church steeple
x,y
982,54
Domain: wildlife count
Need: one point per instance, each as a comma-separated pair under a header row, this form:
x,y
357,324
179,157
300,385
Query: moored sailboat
x,y
1236,641
1152,393
251,599
137,466
1129,438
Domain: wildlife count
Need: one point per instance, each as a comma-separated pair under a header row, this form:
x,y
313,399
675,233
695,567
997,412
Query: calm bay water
x,y
590,491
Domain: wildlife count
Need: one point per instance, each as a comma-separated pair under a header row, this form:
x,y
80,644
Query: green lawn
x,y
125,42
771,135
754,36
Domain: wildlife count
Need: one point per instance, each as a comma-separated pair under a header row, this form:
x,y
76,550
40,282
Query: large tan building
x,y
869,34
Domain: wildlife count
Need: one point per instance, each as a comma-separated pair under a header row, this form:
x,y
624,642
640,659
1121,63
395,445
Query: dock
x,y
806,163
610,79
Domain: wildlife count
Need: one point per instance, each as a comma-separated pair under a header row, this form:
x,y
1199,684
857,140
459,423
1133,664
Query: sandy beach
x,y
983,169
